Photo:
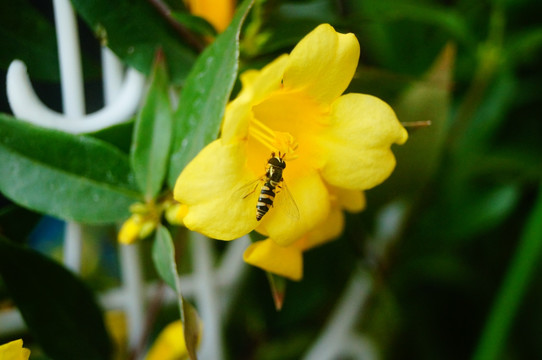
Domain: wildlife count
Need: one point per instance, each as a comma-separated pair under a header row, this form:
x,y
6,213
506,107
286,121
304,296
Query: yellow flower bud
x,y
129,232
175,213
147,228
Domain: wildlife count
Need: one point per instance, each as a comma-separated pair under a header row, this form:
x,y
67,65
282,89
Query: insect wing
x,y
249,189
286,201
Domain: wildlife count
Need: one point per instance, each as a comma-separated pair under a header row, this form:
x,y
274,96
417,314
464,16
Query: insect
x,y
273,180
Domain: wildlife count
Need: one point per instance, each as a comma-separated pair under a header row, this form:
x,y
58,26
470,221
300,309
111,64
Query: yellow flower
x,y
218,13
146,217
293,106
287,261
170,344
14,351
137,227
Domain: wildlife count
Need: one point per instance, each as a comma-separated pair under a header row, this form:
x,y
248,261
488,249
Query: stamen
x,y
265,139
262,127
287,145
276,141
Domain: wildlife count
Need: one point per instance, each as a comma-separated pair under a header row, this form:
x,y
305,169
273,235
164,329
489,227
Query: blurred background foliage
x,y
451,238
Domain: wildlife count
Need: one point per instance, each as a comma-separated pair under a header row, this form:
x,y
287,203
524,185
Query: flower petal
x,y
207,187
170,343
218,13
323,63
327,230
256,86
312,200
356,150
283,261
350,200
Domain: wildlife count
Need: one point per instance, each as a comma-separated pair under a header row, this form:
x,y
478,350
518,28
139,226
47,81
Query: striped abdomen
x,y
265,201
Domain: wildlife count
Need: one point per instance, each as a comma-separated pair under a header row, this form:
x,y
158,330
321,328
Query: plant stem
x,y
194,41
490,60
513,288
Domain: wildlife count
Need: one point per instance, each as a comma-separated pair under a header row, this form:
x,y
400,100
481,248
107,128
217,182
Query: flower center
x,y
276,141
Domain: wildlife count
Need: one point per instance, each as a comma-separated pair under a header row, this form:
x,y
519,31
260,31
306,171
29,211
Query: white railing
x,y
211,289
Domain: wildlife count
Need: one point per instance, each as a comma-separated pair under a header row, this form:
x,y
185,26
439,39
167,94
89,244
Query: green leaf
x,y
478,208
163,254
390,30
73,177
58,308
279,38
17,223
28,36
134,30
119,135
440,17
426,100
524,46
205,95
152,134
195,23
523,266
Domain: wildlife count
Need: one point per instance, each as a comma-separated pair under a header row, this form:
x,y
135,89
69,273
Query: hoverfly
x,y
273,180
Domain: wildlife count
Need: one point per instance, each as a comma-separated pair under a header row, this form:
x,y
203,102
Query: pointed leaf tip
x,y
277,285
191,328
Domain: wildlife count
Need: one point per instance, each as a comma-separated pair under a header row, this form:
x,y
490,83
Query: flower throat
x,y
276,141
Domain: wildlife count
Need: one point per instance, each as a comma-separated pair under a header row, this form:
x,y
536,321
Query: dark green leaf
x,y
58,308
427,100
281,38
278,26
119,135
68,176
522,268
389,30
482,208
134,30
438,16
487,118
152,134
195,23
524,46
28,36
163,254
205,95
16,222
